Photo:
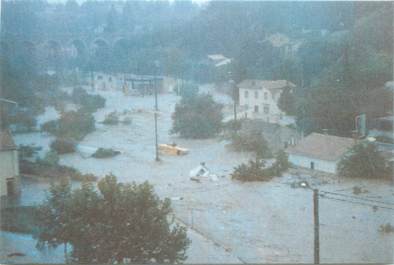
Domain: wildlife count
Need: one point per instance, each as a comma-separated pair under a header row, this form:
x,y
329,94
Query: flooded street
x,y
257,222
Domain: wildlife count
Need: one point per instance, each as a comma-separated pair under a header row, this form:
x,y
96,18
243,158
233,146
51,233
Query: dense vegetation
x,y
197,117
250,141
114,223
334,52
364,161
256,170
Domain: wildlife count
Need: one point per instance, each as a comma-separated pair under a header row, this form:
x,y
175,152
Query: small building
x,y
258,99
9,165
320,152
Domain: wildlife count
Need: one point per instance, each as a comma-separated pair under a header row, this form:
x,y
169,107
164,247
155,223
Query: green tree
x,y
197,117
287,102
364,161
114,223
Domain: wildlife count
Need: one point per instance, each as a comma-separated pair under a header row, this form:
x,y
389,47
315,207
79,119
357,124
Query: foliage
x,y
74,125
18,219
28,151
88,102
364,161
386,228
51,158
62,146
287,102
105,153
253,171
256,170
53,171
197,117
251,141
111,118
113,223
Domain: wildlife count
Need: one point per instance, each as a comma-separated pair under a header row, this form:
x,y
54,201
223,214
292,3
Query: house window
x,y
266,109
99,77
256,94
11,187
256,108
246,94
265,95
312,165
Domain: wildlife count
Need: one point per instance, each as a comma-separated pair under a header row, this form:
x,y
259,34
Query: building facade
x,y
9,166
258,99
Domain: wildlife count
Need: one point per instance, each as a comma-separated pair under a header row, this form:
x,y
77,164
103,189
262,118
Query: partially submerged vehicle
x,y
172,149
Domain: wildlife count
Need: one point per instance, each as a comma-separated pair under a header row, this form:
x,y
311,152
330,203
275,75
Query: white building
x,y
259,99
320,152
9,166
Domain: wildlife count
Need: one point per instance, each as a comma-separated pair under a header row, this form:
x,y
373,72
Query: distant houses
x,y
9,165
320,152
258,99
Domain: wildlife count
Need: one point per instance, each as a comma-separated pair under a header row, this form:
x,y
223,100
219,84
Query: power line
x,y
354,202
357,198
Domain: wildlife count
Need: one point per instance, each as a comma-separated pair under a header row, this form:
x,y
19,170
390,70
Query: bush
x,y
111,118
53,171
62,146
364,161
51,158
73,125
88,102
197,117
253,171
250,142
105,153
28,151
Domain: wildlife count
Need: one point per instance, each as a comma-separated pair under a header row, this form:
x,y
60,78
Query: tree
x,y
364,161
114,223
287,102
250,141
197,117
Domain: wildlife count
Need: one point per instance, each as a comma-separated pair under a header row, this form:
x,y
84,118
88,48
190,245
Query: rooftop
x,y
6,141
269,84
322,146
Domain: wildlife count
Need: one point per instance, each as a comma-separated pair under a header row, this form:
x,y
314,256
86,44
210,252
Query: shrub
x,y
51,158
197,117
253,171
62,146
111,118
105,153
28,151
88,102
73,125
251,141
364,161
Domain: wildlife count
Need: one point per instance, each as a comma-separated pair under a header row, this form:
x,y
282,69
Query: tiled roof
x,y
272,85
6,141
321,146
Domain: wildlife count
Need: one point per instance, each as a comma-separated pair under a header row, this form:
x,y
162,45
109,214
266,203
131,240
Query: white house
x,y
9,165
320,152
259,99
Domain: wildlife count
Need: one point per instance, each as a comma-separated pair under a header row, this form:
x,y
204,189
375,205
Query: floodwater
x,y
230,221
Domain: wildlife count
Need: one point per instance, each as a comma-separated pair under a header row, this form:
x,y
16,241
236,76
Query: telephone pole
x,y
156,111
316,226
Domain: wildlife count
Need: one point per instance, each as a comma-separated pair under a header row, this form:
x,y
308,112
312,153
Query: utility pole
x,y
156,110
316,226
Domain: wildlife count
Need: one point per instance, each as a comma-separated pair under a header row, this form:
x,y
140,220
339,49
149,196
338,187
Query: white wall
x,y
320,165
251,101
9,168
